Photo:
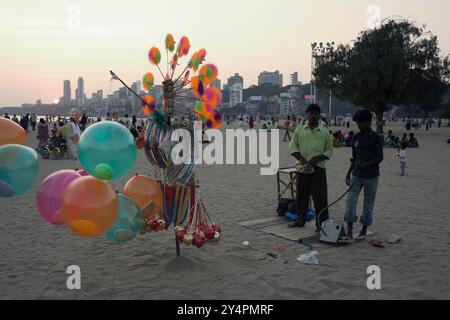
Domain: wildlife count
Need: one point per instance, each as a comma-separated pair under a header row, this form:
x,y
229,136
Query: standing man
x,y
312,146
367,154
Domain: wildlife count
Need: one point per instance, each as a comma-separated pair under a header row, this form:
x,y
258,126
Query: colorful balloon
x,y
110,145
170,43
183,47
90,207
148,81
212,97
208,73
50,194
154,55
197,87
145,191
202,55
19,169
195,61
129,221
149,106
11,133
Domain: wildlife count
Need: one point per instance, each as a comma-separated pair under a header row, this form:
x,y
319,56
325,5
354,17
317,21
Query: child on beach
x,y
401,154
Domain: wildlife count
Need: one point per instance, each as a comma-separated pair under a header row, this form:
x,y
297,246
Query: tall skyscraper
x,y
80,97
235,79
274,78
67,96
236,96
294,79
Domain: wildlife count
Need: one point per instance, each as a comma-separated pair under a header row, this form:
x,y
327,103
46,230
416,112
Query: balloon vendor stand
x,y
87,203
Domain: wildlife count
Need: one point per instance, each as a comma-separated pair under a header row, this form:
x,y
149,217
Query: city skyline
x,y
48,42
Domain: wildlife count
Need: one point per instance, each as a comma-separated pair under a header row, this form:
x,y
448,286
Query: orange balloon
x,y
11,133
90,206
145,192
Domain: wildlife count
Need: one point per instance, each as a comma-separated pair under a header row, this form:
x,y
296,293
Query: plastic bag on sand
x,y
309,258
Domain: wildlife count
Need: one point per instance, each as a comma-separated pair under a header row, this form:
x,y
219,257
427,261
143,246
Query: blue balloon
x,y
19,169
107,145
129,221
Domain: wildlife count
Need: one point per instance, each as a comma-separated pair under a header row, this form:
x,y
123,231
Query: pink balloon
x,y
50,193
83,173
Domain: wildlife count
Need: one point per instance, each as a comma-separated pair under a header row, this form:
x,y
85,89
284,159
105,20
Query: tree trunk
x,y
379,113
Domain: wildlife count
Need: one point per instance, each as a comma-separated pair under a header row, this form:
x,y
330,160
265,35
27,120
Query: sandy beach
x,y
35,255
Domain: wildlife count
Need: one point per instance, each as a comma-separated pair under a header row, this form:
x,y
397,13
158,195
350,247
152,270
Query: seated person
x,y
404,138
391,141
412,143
348,141
337,139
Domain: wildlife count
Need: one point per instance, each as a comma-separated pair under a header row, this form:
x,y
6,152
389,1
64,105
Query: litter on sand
x,y
309,258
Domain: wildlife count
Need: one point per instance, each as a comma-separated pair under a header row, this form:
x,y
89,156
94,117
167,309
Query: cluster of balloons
x,y
19,165
200,85
84,200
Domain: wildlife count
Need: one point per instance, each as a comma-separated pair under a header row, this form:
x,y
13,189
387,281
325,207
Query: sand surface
x,y
35,255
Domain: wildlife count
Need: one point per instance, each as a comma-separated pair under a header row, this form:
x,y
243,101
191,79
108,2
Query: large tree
x,y
397,63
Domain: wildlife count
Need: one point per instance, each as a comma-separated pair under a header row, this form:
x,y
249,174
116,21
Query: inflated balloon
x,y
170,43
129,221
110,145
212,97
90,207
103,171
149,106
148,81
208,73
50,194
144,191
154,55
19,169
214,121
196,85
11,133
195,61
202,55
183,47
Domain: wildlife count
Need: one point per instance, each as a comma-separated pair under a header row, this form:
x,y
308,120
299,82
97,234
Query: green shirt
x,y
310,143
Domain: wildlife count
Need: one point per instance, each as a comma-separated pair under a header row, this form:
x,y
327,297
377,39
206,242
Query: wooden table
x,y
288,185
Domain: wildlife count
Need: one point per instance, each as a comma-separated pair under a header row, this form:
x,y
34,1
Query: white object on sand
x,y
309,258
245,243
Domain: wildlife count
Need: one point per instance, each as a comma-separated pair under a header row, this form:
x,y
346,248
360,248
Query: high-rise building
x,y
67,96
135,101
235,79
294,79
80,96
274,78
236,94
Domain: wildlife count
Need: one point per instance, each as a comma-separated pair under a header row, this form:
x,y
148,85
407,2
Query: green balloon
x,y
103,171
107,143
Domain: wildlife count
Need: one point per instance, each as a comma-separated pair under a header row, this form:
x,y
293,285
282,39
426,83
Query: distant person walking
x,y
251,122
287,133
74,137
33,120
402,157
42,133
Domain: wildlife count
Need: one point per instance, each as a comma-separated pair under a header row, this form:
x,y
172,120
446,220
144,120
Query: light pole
x,y
318,51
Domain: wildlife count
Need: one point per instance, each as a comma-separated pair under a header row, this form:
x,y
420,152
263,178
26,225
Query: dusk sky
x,y
46,42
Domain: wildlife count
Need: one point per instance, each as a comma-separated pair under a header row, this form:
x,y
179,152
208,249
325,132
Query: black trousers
x,y
315,186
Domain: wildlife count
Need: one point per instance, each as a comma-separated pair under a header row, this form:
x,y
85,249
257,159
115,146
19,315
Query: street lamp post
x,y
319,50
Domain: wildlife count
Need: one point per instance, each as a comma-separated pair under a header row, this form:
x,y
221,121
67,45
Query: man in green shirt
x,y
312,146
